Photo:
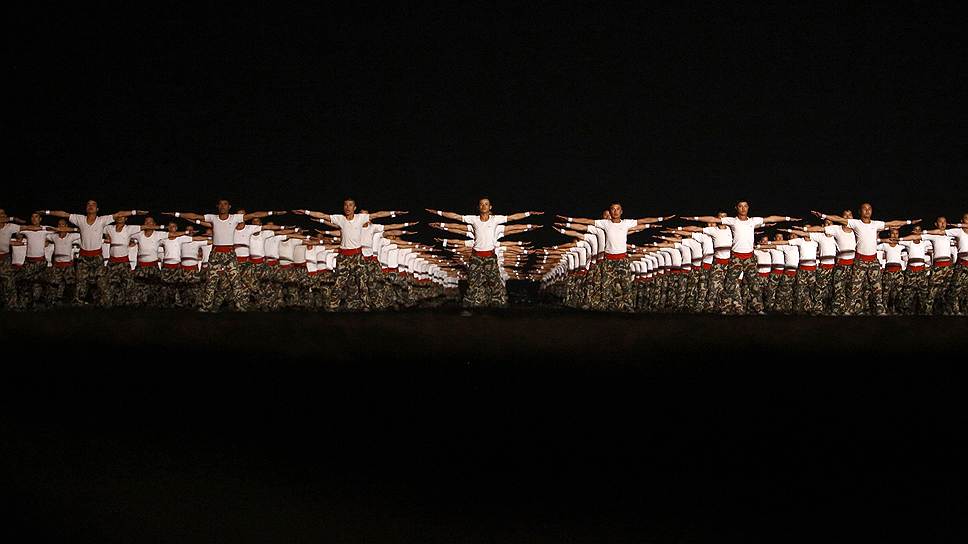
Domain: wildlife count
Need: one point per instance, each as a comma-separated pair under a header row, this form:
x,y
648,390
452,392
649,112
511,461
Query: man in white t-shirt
x,y
223,281
958,301
349,291
615,278
8,288
147,272
120,278
61,271
90,263
485,287
944,291
865,295
31,279
892,276
742,284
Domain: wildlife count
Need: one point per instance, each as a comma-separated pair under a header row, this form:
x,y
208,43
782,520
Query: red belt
x,y
223,249
36,259
241,259
717,260
90,253
942,264
707,266
402,273
63,264
312,272
483,254
146,264
763,274
257,260
826,266
288,265
187,267
372,258
118,260
299,265
17,265
963,262
388,270
272,262
776,272
616,256
808,267
170,266
892,267
790,272
915,267
866,258
743,256
845,262
356,251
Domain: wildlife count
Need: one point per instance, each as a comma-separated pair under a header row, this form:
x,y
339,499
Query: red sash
x,y
483,254
146,264
63,264
346,252
223,249
720,261
866,258
616,256
743,256
90,253
808,267
118,260
845,262
36,259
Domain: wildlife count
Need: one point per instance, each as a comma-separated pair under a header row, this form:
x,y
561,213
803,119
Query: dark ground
x,y
530,425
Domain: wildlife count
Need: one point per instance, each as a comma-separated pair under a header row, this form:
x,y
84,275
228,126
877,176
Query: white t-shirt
x,y
485,232
916,250
808,249
92,236
707,245
172,248
695,248
791,256
285,248
368,234
149,246
18,254
941,245
241,239
961,237
190,252
866,234
272,246
846,241
776,255
351,230
36,242
599,236
892,254
6,233
827,245
764,262
722,240
257,243
63,246
744,232
223,230
120,240
616,234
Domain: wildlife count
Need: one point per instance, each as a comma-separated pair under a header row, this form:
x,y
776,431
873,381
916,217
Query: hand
x,y
815,212
299,212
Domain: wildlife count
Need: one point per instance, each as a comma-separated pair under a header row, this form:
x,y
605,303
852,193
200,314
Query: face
x,y
964,218
866,210
484,205
121,220
895,233
941,222
35,219
62,223
917,230
764,239
778,237
615,212
91,207
256,221
848,214
223,206
189,230
3,216
172,227
827,222
742,208
349,207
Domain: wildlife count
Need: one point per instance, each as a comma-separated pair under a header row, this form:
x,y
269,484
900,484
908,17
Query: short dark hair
x,y
615,203
350,199
742,200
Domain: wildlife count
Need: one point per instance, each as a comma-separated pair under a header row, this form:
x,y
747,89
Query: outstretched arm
x,y
579,220
581,227
54,213
129,213
379,215
835,218
522,215
315,215
779,218
399,225
448,215
186,215
703,218
900,223
648,220
260,215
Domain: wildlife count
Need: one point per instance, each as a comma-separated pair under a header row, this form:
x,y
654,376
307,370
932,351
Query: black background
x,y
671,110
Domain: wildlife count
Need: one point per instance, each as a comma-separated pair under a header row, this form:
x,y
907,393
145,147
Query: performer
x,y
8,288
90,263
892,276
120,279
484,285
865,284
942,271
61,272
223,273
147,273
742,285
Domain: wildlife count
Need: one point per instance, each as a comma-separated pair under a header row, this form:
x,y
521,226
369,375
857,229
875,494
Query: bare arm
x,y
315,215
522,215
449,215
703,218
648,220
186,215
834,218
54,213
380,215
779,218
260,215
580,220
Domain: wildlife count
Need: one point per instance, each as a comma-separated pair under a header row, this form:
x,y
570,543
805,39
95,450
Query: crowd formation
x,y
241,261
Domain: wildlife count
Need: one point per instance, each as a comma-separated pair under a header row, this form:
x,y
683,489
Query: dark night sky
x,y
669,110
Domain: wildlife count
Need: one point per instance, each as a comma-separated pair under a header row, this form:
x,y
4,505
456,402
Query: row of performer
x,y
731,264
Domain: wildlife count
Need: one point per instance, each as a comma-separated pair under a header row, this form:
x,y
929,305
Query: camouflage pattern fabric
x,y
866,294
119,280
349,290
841,287
223,283
744,292
805,293
8,284
892,283
958,298
823,291
91,270
484,286
146,286
59,280
783,297
716,290
31,281
939,288
616,278
915,298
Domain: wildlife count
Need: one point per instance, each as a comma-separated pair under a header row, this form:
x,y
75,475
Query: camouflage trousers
x,y
783,298
31,282
743,287
170,291
689,301
191,286
958,300
715,291
892,284
484,286
382,296
866,294
223,283
8,284
841,287
91,270
915,299
805,293
616,286
265,294
594,290
940,288
120,284
146,286
702,288
823,291
349,290
59,279
322,285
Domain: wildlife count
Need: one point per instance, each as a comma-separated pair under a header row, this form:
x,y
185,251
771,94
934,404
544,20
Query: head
x,y
150,223
827,222
121,220
190,230
917,230
764,239
615,211
964,218
941,222
268,224
90,208
778,237
606,215
484,205
349,206
208,231
866,211
35,219
256,221
742,208
895,233
3,215
847,214
62,222
172,227
223,206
